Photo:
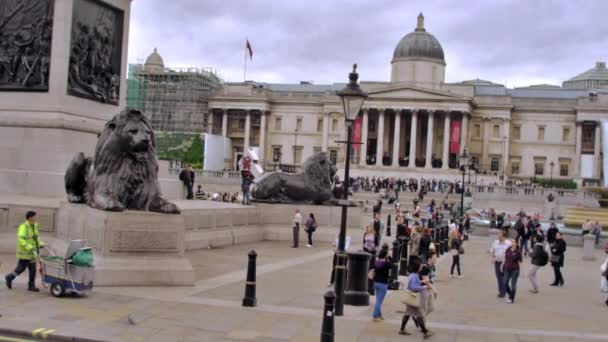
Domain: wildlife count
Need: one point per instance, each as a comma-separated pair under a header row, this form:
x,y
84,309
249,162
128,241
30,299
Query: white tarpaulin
x,y
587,166
604,144
253,162
217,149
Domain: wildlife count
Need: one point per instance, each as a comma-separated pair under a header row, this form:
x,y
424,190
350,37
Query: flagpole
x,y
245,64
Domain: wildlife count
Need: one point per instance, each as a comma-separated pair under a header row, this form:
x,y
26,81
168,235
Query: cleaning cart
x,y
72,274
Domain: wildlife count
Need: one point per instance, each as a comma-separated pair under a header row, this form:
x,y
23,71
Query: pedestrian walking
x,y
415,242
246,180
540,258
510,269
311,227
187,177
425,245
378,228
596,231
28,251
558,250
297,221
551,233
455,249
423,291
497,251
381,271
604,271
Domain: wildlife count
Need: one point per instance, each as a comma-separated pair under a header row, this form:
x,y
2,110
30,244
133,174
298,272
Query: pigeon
x,y
131,319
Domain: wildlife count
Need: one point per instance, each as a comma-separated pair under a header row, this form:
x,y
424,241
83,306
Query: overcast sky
x,y
514,42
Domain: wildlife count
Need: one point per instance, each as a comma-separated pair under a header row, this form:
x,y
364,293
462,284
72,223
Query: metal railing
x,y
565,196
212,177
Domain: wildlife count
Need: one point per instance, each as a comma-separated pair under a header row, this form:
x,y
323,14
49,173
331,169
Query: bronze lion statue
x,y
124,173
311,185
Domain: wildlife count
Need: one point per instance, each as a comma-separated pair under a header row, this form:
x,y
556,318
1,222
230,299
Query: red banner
x,y
455,137
357,133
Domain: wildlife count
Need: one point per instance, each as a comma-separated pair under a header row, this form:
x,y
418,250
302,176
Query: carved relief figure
x,y
25,44
95,51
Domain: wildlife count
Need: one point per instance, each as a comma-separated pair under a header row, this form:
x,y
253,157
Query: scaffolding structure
x,y
174,99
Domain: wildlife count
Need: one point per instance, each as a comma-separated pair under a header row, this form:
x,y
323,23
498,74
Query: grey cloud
x,y
318,40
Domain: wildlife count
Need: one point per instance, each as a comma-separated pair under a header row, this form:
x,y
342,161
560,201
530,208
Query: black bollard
x,y
445,239
393,284
356,279
403,259
388,225
327,327
249,299
370,282
339,283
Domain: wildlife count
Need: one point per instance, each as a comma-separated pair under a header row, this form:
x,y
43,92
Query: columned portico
x,y
596,152
364,128
396,135
224,123
262,149
210,122
325,132
429,140
446,141
413,130
464,132
380,139
247,130
579,143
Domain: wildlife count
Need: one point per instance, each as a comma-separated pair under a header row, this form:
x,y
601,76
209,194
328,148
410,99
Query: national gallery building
x,y
416,122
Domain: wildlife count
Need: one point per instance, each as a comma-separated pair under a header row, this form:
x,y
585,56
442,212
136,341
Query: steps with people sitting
x,y
575,217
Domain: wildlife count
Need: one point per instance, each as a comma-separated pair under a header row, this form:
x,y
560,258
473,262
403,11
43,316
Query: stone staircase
x,y
575,217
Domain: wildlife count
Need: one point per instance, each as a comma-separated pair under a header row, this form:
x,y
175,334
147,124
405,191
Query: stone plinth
x,y
588,247
132,248
41,131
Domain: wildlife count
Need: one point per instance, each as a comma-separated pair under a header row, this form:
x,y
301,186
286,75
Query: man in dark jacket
x,y
187,177
539,259
551,233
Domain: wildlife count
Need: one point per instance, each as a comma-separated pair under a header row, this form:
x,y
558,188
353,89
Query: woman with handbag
x,y
558,248
418,302
455,246
380,275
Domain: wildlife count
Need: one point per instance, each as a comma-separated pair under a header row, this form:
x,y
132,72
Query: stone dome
x,y
154,62
419,44
596,77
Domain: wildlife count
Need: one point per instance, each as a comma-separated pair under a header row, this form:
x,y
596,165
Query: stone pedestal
x,y
588,247
40,131
132,248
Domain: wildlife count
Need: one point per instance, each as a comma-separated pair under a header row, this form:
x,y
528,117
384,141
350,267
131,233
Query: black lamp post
x,y
551,165
352,99
464,158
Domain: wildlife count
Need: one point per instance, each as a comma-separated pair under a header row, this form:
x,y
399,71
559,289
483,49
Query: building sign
x,y
357,132
455,137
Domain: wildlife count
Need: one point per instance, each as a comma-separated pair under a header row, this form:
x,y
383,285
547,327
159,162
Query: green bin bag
x,y
83,257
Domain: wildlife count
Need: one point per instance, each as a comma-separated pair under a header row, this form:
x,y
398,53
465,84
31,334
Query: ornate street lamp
x,y
464,159
352,100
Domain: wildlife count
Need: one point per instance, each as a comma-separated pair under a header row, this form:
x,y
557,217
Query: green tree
x,y
194,154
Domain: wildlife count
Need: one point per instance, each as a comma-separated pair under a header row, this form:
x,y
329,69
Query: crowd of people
x,y
376,184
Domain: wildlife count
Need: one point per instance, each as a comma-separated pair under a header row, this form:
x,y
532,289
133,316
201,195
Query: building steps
x,y
575,217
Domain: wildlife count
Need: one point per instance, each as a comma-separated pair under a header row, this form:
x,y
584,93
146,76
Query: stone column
x,y
413,131
325,131
363,148
485,126
430,136
464,132
262,149
446,141
596,151
380,140
247,130
579,142
506,148
225,123
210,122
396,137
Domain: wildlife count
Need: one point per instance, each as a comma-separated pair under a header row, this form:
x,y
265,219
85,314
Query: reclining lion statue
x,y
311,185
124,173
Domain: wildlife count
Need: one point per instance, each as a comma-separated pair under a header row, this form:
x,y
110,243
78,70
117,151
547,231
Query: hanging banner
x,y
357,130
455,137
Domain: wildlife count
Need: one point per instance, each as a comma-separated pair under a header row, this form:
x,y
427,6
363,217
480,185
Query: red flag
x,y
357,132
249,49
455,138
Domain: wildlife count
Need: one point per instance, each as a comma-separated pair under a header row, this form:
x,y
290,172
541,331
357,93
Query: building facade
x,y
417,122
174,99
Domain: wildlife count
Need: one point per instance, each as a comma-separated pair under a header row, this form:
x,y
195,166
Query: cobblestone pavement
x,y
290,285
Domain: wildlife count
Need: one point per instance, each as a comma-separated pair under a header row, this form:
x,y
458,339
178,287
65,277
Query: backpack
x,y
543,257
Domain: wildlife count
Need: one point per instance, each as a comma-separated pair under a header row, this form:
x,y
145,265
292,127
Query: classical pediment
x,y
414,93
